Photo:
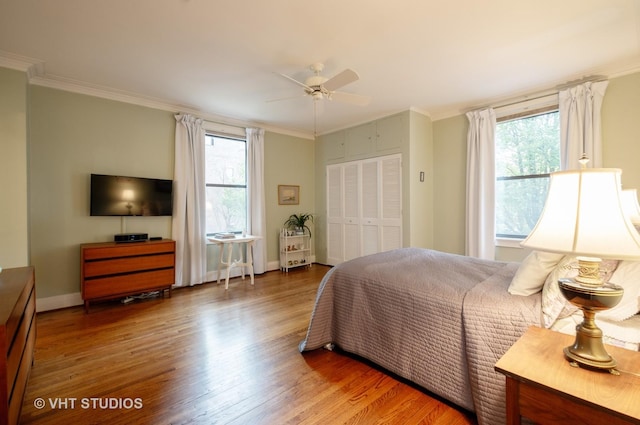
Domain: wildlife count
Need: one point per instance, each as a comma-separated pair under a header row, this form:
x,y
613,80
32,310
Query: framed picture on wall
x,y
288,194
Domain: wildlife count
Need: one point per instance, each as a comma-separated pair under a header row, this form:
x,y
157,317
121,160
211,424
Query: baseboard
x,y
58,302
273,265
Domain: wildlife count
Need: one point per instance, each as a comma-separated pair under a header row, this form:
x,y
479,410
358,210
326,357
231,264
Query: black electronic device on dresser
x,y
130,237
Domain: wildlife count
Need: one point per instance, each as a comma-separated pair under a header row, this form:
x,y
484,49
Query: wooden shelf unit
x,y
17,339
295,250
113,270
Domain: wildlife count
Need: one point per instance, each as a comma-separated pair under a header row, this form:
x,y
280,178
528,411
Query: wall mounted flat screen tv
x,y
130,196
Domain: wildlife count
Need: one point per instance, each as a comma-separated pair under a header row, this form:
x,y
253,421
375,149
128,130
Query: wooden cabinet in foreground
x,y
115,270
17,339
542,386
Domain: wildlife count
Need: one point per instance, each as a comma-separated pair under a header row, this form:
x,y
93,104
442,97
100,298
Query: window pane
x,y
226,191
225,161
226,209
518,205
529,145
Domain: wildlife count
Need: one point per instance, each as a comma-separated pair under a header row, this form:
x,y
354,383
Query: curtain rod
x,y
525,99
541,94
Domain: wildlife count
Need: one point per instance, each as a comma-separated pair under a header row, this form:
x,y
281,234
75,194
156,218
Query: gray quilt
x,y
439,320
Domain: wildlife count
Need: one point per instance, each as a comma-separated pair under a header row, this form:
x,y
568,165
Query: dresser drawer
x,y
22,376
19,340
127,265
18,310
121,285
103,251
18,330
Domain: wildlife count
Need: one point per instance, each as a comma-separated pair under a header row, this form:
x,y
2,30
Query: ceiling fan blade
x,y
355,99
347,76
293,80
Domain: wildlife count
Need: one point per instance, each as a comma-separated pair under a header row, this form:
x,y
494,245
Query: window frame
x,y
240,138
507,241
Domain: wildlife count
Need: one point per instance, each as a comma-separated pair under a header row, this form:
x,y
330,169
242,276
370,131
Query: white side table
x,y
243,260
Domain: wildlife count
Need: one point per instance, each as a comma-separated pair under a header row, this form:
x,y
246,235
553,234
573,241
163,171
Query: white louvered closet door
x,y
370,207
335,219
391,189
351,185
364,208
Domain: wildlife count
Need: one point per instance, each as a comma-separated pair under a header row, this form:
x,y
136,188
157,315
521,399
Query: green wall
x,y
449,173
72,136
621,128
420,159
290,161
14,248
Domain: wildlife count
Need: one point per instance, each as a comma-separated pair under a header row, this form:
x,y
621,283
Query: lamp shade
x,y
630,205
584,215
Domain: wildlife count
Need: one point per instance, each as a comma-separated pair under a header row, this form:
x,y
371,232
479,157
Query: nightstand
x,y
542,386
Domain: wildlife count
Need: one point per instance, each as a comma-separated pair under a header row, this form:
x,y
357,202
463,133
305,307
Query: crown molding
x,y
64,84
69,85
26,64
420,111
36,75
622,73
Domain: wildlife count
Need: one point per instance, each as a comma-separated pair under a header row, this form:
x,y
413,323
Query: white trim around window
x,y
508,242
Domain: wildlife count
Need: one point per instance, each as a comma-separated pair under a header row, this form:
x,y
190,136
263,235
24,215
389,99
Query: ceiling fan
x,y
320,87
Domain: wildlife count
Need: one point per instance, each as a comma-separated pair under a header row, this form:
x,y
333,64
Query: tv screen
x,y
130,196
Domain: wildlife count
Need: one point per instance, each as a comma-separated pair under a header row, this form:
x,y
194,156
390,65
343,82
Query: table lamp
x,y
631,207
584,216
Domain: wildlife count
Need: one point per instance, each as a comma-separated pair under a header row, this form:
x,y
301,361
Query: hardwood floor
x,y
210,356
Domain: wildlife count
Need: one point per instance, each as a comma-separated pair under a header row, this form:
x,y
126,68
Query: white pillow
x,y
626,275
554,304
532,273
625,333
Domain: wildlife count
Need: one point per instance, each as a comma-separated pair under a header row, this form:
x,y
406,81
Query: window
x,y
527,151
226,184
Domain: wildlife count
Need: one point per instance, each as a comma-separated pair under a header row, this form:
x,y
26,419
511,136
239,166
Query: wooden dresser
x,y
17,342
112,270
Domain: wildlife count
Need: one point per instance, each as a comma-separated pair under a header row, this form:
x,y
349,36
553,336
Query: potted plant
x,y
299,222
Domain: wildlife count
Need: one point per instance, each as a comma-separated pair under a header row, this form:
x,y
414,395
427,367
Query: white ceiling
x,y
222,57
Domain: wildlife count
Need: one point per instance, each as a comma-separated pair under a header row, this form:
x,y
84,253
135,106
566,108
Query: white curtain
x,y
188,225
580,129
481,177
255,177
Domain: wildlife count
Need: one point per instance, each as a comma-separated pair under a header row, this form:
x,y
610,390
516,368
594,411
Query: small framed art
x,y
288,194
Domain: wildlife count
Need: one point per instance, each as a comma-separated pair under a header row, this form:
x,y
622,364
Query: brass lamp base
x,y
588,349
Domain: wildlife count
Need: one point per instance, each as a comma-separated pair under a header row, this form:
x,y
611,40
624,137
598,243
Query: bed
x,y
437,319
